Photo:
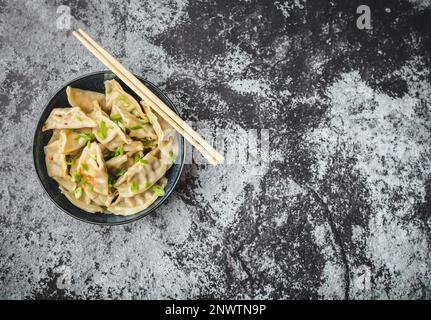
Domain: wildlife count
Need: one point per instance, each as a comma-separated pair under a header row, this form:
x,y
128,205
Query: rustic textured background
x,y
342,210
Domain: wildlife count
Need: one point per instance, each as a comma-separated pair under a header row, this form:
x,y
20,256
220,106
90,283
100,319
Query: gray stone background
x,y
342,210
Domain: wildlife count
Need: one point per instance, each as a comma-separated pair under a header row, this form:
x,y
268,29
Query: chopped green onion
x,y
108,90
102,130
121,98
70,159
83,181
85,166
90,187
125,104
78,192
88,144
111,181
172,156
137,127
120,172
134,187
158,190
154,143
77,177
147,184
85,136
137,158
78,118
116,117
119,151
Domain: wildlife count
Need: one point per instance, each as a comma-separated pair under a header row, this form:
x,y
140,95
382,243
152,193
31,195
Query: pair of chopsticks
x,y
150,98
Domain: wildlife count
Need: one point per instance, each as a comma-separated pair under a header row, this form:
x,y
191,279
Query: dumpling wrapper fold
x,y
68,118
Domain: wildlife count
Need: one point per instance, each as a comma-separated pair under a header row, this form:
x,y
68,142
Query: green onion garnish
x,y
147,184
78,118
137,158
102,130
85,166
78,192
90,187
120,172
116,117
121,98
125,104
85,136
158,190
77,177
83,181
172,156
71,159
108,90
119,151
134,187
137,127
111,181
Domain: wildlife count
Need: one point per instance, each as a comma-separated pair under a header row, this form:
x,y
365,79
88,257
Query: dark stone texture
x,y
342,208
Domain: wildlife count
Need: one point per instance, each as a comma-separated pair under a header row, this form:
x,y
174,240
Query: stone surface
x,y
342,208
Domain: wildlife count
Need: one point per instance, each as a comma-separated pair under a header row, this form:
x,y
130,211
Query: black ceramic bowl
x,y
94,81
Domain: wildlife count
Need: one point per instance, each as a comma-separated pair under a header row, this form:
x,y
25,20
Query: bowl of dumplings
x,y
102,155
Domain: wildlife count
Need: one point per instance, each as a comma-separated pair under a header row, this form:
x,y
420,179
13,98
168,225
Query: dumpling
x,y
99,199
116,162
68,118
138,128
162,128
141,175
72,140
132,205
66,182
83,202
91,166
169,150
84,99
107,131
134,146
116,96
55,160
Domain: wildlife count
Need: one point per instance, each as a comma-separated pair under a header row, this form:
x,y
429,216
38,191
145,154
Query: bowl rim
x,y
117,223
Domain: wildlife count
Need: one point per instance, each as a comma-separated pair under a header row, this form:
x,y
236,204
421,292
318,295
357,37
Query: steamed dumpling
x,y
141,176
84,202
72,140
68,118
91,166
138,128
107,132
116,96
55,160
128,206
163,129
84,99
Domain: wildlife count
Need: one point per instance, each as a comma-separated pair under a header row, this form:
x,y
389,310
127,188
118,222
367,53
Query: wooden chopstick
x,y
152,100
